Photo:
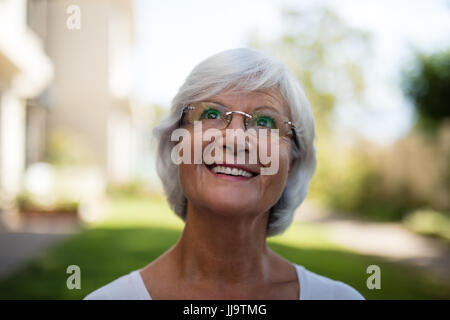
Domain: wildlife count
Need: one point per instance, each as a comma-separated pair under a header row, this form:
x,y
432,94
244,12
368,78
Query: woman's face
x,y
215,189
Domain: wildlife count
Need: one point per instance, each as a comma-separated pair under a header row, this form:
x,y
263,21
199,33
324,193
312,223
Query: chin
x,y
231,206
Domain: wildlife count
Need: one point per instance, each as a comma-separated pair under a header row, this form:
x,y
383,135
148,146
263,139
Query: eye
x,y
265,122
211,114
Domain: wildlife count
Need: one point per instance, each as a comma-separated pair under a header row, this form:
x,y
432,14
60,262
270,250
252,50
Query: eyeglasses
x,y
217,116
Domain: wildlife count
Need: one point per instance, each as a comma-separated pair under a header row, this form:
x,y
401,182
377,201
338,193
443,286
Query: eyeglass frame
x,y
245,114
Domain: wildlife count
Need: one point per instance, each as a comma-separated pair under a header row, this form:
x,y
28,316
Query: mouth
x,y
232,171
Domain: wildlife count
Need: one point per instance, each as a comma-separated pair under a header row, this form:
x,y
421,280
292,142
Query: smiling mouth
x,y
227,170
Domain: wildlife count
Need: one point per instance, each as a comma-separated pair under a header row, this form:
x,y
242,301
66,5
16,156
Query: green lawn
x,y
140,229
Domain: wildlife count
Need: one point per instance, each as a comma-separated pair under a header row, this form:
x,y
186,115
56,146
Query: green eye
x,y
266,122
211,114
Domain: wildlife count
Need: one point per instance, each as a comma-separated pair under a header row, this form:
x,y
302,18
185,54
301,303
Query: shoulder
x,y
317,287
127,287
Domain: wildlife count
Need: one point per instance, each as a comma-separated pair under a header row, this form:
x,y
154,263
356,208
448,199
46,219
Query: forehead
x,y
248,101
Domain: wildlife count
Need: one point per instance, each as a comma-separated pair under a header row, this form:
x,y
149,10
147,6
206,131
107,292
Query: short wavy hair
x,y
243,70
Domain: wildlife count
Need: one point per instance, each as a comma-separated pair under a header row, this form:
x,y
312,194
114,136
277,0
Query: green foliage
x,y
343,179
372,185
134,187
27,202
379,207
429,222
328,56
412,173
427,85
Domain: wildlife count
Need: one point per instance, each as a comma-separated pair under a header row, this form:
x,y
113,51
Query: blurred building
x,y
25,71
89,43
65,68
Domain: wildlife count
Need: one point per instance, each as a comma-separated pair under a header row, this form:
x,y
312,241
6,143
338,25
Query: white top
x,y
312,287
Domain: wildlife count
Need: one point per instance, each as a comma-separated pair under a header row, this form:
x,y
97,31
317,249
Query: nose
x,y
236,144
237,121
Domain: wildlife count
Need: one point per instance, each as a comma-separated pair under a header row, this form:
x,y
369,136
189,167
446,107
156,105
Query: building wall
x,y
12,142
79,95
25,71
86,76
92,82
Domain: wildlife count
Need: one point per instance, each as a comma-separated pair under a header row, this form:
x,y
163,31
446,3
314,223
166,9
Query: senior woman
x,y
229,208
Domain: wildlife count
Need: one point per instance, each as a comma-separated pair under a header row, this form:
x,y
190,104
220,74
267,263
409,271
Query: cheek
x,y
194,146
273,185
284,166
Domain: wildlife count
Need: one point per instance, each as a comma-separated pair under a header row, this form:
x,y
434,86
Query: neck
x,y
223,249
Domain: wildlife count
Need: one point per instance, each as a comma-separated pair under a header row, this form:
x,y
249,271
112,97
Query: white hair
x,y
243,70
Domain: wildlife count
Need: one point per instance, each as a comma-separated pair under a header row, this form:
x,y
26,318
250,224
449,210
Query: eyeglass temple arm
x,y
188,107
294,134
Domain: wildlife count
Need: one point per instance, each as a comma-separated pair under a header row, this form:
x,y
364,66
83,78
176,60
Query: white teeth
x,y
232,171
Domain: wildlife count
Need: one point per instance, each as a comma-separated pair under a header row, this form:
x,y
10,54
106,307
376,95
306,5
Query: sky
x,y
173,36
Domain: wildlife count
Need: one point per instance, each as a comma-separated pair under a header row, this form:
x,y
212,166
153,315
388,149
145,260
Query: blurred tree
x,y
328,57
428,87
325,54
